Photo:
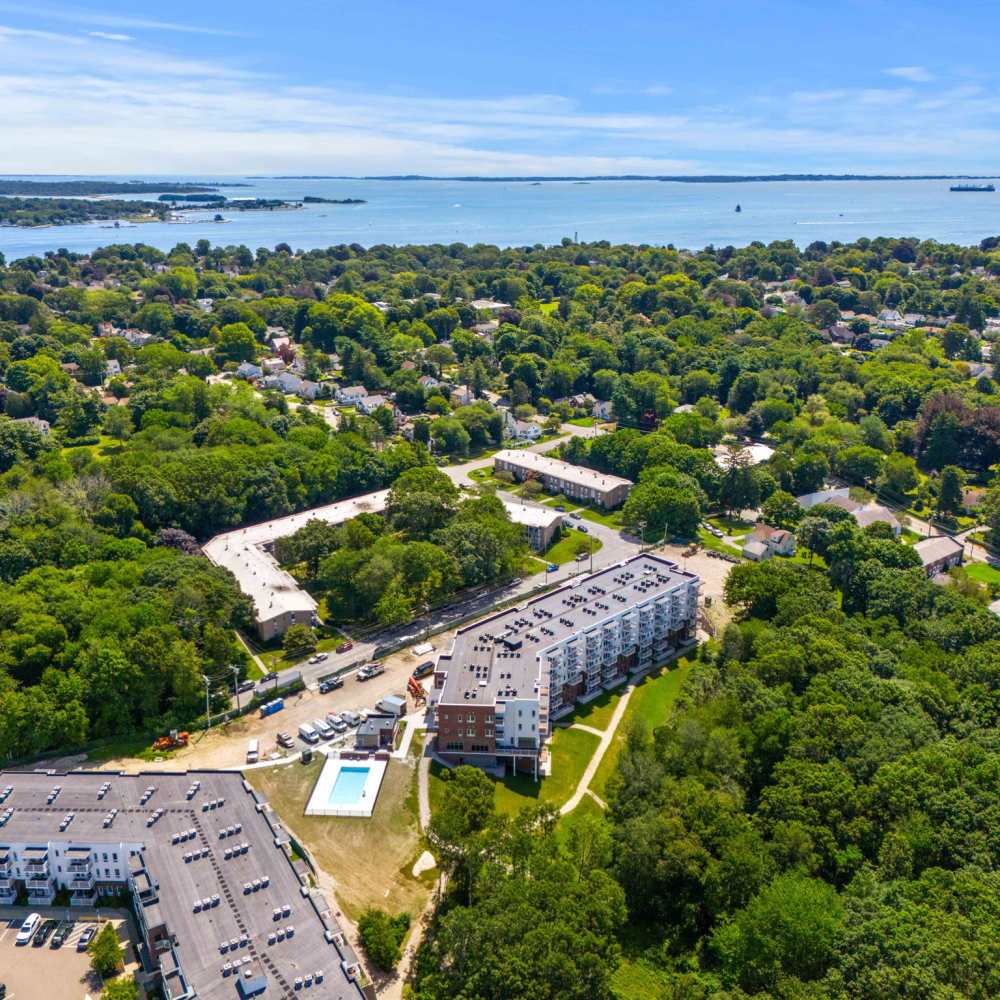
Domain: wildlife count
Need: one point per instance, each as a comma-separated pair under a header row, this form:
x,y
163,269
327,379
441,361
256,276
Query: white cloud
x,y
77,103
915,74
110,36
77,15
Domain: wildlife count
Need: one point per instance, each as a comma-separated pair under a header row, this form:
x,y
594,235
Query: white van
x,y
28,929
324,728
253,751
307,734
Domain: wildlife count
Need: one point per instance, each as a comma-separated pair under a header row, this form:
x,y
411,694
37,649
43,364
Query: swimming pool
x,y
349,786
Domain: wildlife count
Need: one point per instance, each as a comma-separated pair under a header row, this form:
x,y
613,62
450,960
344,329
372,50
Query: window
x,y
480,748
470,732
471,718
454,745
488,731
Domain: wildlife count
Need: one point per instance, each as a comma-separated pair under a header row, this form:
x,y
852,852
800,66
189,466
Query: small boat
x,y
738,209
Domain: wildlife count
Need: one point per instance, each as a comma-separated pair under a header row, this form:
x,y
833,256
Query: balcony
x,y
40,897
82,882
83,897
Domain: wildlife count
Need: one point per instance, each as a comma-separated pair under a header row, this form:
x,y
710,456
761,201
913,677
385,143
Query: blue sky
x,y
549,87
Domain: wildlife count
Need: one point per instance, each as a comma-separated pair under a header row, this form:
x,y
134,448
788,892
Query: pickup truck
x,y
327,684
370,670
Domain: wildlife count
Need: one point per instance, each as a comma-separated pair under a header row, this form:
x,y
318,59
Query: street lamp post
x,y
642,536
236,690
208,702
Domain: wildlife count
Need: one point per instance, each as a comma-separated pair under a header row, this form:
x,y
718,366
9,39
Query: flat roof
x,y
480,667
936,547
245,553
179,883
532,515
546,466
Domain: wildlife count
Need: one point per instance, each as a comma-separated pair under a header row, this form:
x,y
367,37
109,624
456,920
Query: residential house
x,y
350,394
290,383
248,370
526,430
369,404
462,395
764,542
428,382
890,317
205,305
272,366
42,426
486,330
137,338
863,513
112,368
603,409
489,305
557,476
939,553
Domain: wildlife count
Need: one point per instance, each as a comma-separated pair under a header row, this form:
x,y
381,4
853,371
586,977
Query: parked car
x,y
424,669
268,677
330,683
285,740
307,734
63,931
559,506
552,567
346,647
325,730
567,523
576,516
337,722
582,556
43,932
247,685
583,528
28,928
86,937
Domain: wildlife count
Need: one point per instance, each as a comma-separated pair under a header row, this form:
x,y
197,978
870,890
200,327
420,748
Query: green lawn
x,y
730,525
709,541
583,421
611,519
636,979
983,572
597,713
587,809
566,549
571,749
651,702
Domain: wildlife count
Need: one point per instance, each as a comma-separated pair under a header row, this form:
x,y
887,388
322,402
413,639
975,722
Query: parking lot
x,y
53,973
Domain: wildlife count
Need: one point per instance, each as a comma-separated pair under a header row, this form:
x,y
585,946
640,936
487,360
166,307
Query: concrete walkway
x,y
588,729
595,762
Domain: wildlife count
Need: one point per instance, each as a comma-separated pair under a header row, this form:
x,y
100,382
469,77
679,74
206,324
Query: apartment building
x,y
278,599
509,676
220,905
562,477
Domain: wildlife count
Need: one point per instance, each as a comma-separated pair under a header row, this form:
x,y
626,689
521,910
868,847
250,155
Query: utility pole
x,y
208,703
236,691
642,536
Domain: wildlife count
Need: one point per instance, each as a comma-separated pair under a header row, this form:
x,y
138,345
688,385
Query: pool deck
x,y
319,802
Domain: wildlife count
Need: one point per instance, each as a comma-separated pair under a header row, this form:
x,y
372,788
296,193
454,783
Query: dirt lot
x,y
370,859
225,746
56,974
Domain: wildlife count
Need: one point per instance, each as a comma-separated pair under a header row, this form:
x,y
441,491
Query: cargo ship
x,y
972,187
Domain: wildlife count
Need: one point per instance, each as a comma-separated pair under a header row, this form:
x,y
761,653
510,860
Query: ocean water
x,y
510,213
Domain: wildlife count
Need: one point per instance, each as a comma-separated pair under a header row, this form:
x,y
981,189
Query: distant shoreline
x,y
677,179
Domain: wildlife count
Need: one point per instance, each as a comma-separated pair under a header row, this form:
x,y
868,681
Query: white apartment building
x,y
509,676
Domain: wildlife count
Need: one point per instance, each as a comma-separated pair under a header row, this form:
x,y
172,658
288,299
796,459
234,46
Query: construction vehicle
x,y
416,690
172,742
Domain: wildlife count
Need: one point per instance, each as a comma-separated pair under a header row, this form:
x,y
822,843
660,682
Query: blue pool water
x,y
348,787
